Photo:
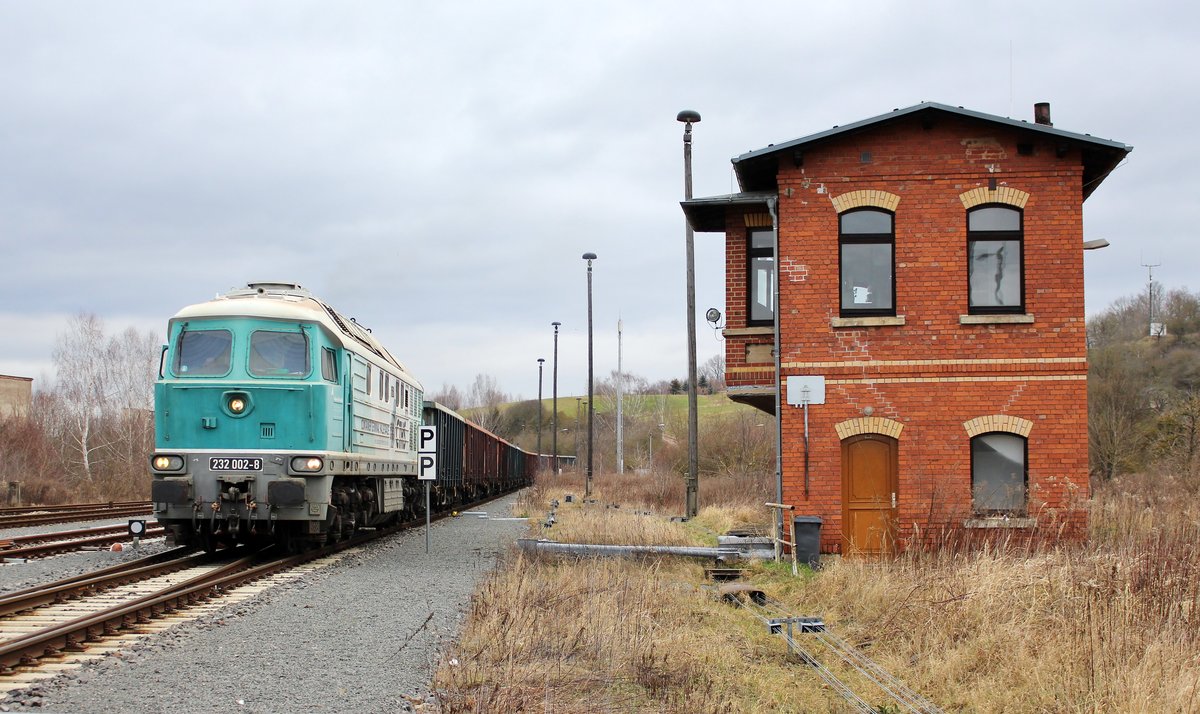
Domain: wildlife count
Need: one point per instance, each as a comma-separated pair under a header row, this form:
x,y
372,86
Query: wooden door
x,y
869,492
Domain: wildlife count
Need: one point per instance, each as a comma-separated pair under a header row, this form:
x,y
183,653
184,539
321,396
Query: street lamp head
x,y
689,116
541,360
589,256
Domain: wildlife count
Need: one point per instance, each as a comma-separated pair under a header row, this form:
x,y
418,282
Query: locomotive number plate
x,y
225,463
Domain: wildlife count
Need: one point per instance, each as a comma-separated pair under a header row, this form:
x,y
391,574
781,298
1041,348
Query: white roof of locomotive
x,y
289,301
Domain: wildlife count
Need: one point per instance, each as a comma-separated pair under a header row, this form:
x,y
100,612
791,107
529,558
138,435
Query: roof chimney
x,y
1041,113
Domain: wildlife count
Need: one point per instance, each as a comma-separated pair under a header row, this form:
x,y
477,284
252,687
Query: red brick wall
x,y
932,373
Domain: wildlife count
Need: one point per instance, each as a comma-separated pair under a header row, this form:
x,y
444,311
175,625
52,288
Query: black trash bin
x,y
808,539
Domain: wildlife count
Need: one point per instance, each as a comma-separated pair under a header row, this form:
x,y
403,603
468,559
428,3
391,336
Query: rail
x,y
795,629
31,546
26,650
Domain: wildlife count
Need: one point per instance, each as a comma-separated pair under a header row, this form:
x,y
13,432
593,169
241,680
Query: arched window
x,y
998,474
995,265
866,242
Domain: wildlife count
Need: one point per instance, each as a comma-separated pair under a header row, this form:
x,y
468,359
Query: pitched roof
x,y
756,170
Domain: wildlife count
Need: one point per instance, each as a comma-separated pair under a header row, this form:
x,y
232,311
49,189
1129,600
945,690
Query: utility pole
x,y
620,430
1155,329
541,363
688,118
554,401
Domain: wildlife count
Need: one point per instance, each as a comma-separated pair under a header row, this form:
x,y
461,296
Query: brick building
x,y
931,315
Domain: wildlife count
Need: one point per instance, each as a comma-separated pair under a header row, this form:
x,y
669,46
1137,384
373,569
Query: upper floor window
x,y
998,476
995,281
760,272
866,242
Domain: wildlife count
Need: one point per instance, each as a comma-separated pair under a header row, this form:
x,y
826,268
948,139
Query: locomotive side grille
x,y
267,431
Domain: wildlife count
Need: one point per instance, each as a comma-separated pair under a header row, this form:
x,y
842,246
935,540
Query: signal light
x,y
167,463
307,463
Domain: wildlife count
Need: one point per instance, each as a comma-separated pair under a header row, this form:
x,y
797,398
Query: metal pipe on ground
x,y
585,550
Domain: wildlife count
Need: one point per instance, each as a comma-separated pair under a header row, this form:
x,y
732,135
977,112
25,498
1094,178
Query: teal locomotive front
x,y
277,418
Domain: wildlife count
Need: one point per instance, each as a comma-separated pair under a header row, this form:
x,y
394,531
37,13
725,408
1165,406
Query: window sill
x,y
746,331
1000,522
995,319
867,321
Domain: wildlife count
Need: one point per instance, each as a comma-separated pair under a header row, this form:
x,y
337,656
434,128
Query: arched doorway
x,y
870,478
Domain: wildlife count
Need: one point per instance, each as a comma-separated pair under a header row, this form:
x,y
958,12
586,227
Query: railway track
x,y
36,546
48,628
45,515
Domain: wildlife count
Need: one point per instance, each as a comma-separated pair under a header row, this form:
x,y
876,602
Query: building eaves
x,y
707,215
756,169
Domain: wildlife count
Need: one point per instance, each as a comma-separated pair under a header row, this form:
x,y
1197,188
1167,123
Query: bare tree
x,y
713,370
450,396
102,411
79,357
485,398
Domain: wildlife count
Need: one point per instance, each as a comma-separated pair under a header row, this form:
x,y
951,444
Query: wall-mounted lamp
x,y
1095,244
713,315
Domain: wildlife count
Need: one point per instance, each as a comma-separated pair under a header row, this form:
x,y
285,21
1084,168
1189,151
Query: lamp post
x,y
554,401
587,483
541,362
688,118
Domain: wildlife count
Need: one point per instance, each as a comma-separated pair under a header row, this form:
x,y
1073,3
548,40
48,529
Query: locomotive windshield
x,y
278,354
203,353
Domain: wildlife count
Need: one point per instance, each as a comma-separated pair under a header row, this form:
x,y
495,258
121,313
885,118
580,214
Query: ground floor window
x,y
998,474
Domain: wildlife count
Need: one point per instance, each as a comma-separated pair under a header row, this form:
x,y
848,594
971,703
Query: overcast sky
x,y
436,169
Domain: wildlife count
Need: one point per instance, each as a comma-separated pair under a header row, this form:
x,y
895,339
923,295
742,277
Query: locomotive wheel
x,y
333,526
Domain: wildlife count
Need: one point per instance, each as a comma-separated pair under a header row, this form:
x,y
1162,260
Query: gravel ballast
x,y
361,635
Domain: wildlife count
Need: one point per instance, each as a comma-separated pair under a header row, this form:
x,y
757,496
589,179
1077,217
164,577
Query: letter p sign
x,y
427,454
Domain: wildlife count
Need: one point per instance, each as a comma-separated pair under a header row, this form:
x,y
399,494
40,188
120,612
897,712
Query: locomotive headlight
x,y
167,463
237,403
307,463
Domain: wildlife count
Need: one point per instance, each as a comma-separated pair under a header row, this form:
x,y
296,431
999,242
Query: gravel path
x,y
362,635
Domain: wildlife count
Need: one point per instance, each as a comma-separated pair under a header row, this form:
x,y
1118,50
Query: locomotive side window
x,y
203,353
329,365
278,354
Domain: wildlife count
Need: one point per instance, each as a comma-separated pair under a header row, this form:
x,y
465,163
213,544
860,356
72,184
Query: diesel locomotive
x,y
277,418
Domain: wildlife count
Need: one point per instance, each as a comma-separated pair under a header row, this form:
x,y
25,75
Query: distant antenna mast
x,y
1156,328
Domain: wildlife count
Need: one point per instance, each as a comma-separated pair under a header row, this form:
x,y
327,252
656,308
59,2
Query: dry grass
x,y
1111,626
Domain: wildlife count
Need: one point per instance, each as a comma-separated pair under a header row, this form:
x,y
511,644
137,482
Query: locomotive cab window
x,y
203,353
329,365
278,354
